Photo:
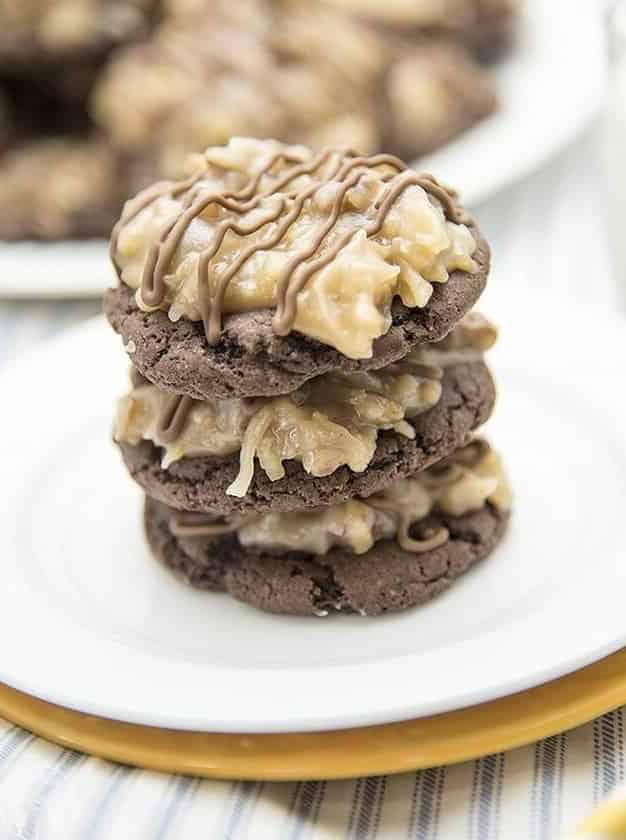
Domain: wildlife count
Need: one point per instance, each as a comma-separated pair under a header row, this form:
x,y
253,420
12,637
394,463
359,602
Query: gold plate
x,y
390,748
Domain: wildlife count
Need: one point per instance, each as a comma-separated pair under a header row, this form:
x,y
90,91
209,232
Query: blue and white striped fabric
x,y
541,792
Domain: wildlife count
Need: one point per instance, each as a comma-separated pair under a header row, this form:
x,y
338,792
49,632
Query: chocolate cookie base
x,y
199,484
250,360
385,579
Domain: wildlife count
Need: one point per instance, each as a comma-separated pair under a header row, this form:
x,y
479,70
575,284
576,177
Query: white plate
x,y
548,95
90,621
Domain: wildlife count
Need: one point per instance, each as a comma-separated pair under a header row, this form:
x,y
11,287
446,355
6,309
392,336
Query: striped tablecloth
x,y
548,237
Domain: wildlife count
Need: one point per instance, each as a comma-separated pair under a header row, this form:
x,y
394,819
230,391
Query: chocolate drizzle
x,y
134,207
173,418
341,167
200,525
137,379
433,538
203,526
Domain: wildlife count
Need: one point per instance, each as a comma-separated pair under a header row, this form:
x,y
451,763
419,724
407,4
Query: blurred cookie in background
x,y
201,80
329,70
485,26
158,79
44,31
60,188
434,93
51,51
183,90
308,76
404,98
256,15
56,182
37,109
423,14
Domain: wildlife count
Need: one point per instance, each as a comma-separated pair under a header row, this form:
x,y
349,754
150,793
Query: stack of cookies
x,y
307,378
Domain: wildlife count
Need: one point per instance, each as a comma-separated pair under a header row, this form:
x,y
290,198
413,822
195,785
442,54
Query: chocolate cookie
x,y
455,93
251,360
384,579
199,484
58,188
41,34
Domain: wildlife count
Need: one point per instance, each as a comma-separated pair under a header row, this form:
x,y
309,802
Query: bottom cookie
x,y
366,556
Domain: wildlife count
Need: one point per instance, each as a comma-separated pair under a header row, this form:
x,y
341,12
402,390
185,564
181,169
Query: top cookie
x,y
345,261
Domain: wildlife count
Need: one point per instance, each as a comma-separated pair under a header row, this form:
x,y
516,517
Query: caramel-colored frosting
x,y
464,483
327,240
330,421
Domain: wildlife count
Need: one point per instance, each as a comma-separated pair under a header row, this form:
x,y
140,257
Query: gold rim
x,y
390,748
